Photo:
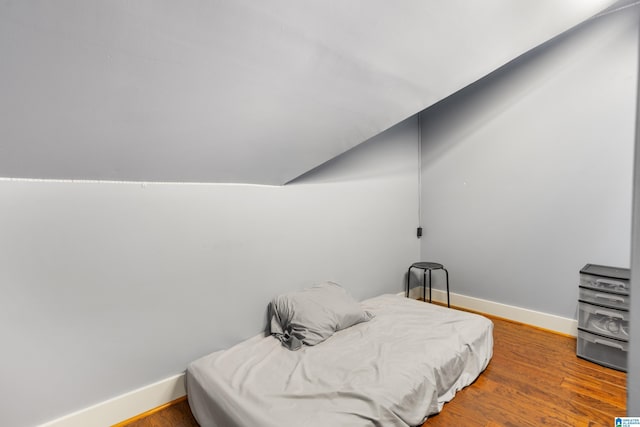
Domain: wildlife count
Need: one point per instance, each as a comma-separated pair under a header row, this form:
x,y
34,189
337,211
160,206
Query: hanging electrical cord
x,y
419,230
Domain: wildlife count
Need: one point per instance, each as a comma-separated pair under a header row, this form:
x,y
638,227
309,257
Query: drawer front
x,y
604,351
598,283
604,321
604,298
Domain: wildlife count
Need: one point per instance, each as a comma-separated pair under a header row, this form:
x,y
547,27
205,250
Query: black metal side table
x,y
428,266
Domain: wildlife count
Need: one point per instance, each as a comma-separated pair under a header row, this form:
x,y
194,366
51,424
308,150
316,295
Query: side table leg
x,y
447,275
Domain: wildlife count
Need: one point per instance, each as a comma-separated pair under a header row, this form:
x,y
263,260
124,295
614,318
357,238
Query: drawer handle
x,y
612,282
609,344
609,314
610,297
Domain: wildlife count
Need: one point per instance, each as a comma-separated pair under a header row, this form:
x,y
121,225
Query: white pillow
x,y
314,314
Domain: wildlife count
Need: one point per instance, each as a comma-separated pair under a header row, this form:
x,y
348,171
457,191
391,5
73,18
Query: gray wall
x,y
527,174
107,287
633,373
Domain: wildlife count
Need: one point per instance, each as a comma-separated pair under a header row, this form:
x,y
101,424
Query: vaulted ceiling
x,y
238,90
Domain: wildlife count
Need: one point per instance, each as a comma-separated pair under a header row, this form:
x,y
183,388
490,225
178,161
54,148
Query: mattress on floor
x,y
394,370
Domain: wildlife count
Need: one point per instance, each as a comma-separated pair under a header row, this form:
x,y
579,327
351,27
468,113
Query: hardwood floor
x,y
175,415
536,379
533,379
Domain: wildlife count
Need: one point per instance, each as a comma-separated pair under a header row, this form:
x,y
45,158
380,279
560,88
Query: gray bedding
x,y
394,370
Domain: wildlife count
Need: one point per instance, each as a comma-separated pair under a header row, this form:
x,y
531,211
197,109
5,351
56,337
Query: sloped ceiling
x,y
238,91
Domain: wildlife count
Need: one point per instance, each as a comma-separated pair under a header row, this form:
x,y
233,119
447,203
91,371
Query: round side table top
x,y
427,265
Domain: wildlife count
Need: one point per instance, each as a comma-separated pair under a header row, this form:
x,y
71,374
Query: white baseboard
x,y
551,322
125,406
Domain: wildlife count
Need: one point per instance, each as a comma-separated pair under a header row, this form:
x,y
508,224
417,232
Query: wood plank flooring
x,y
176,415
533,379
536,379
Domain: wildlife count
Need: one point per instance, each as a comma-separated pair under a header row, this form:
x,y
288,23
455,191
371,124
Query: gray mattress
x,y
394,370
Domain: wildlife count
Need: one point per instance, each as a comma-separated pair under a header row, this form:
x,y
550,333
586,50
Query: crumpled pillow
x,y
314,314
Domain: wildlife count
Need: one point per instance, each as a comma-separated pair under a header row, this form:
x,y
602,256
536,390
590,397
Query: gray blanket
x,y
394,370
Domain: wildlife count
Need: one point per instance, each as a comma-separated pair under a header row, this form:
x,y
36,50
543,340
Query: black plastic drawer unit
x,y
603,315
